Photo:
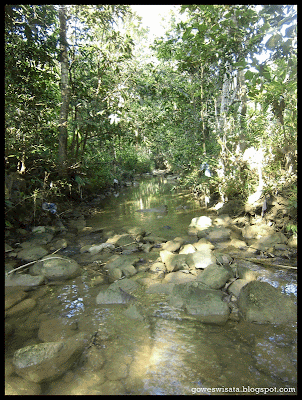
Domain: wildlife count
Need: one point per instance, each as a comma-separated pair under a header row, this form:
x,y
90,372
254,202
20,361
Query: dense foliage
x,y
85,104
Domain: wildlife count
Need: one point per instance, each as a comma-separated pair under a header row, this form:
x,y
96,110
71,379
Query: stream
x,y
166,352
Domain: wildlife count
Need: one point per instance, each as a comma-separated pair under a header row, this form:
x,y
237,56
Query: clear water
x,y
166,352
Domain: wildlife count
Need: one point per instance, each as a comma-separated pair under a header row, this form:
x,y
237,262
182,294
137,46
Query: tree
x,y
63,132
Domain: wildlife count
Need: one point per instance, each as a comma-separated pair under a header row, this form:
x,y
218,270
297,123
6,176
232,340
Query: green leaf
x,y
273,41
249,75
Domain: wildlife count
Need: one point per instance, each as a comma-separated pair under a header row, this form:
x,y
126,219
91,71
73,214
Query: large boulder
x,y
47,361
204,304
55,267
262,303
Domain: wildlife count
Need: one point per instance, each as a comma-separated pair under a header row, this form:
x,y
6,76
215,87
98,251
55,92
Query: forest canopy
x,y
87,103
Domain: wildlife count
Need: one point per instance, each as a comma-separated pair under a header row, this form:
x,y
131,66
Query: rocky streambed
x,y
93,310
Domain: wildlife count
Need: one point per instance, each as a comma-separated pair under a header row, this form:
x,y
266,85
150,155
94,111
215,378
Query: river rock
x,y
158,267
120,292
41,238
201,259
201,222
21,308
95,249
7,248
173,262
244,272
133,312
215,276
173,245
236,286
121,240
146,247
78,223
268,241
32,253
202,244
114,274
215,234
13,296
198,224
128,270
222,220
59,244
47,361
56,267
293,241
262,303
178,277
205,305
123,264
187,249
136,231
56,329
23,280
258,231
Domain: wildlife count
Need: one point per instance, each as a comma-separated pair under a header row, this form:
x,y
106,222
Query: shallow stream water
x,y
166,352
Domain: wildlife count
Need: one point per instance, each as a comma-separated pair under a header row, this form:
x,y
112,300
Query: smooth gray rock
x,y
47,361
215,276
23,280
32,253
55,267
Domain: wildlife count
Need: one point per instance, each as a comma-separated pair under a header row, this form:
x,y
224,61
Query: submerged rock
x,y
20,387
275,361
120,292
47,361
21,308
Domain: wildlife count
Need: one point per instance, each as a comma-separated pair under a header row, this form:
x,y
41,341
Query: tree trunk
x,y
64,94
